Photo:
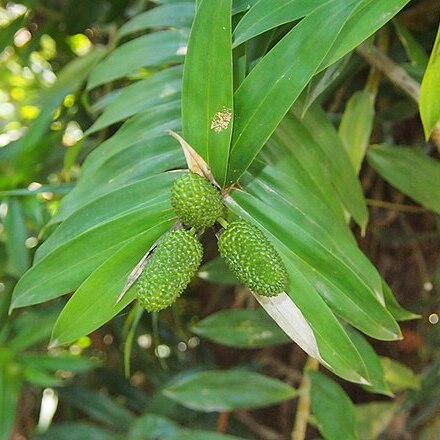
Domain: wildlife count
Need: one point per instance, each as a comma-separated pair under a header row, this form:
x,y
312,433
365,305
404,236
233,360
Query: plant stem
x,y
156,338
303,408
396,206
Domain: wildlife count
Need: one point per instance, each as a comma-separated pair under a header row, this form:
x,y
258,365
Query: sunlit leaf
x,y
207,92
148,50
430,90
259,110
356,125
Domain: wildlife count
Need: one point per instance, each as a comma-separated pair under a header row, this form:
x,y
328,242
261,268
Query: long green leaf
x,y
333,409
410,171
286,70
340,284
369,17
325,140
155,90
91,236
356,125
335,347
241,328
268,14
94,303
430,90
178,15
209,391
16,233
136,151
148,50
207,92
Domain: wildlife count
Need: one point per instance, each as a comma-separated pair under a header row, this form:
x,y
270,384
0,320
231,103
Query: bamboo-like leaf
x,y
148,50
340,279
268,14
333,409
228,390
285,70
157,89
90,236
356,125
325,140
244,328
207,94
369,17
409,170
429,103
16,233
138,150
174,15
334,345
94,303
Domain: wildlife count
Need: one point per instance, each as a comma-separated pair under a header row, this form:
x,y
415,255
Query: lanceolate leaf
x,y
16,234
267,14
207,95
228,391
430,90
148,50
356,125
284,71
409,170
138,150
241,328
370,16
157,89
94,303
177,15
326,141
91,236
333,409
340,284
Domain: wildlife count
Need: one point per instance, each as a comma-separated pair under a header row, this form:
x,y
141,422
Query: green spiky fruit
x,y
196,201
253,259
169,270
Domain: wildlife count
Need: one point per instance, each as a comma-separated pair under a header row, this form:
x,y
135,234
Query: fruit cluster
x,y
174,262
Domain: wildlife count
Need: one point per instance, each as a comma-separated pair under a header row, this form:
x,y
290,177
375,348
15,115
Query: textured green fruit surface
x,y
253,259
169,270
196,201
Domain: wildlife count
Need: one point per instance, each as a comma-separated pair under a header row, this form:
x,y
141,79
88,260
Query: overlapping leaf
x,y
285,71
91,236
94,303
157,89
173,15
148,50
207,92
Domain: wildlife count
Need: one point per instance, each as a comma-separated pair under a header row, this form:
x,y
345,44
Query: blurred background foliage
x,y
140,377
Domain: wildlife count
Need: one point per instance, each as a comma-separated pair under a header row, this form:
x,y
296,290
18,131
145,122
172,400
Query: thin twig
x,y
303,408
257,428
396,206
